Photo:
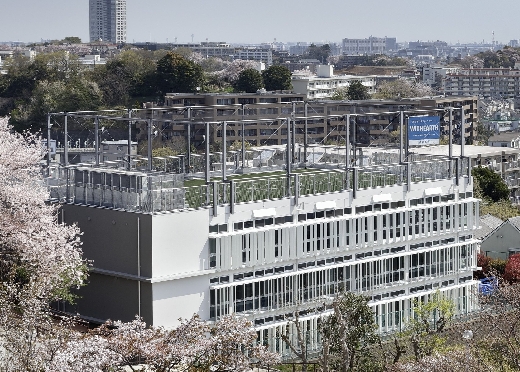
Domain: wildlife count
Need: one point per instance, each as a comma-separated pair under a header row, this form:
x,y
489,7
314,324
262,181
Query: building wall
x,y
113,297
180,243
497,243
371,45
487,82
195,262
180,298
102,228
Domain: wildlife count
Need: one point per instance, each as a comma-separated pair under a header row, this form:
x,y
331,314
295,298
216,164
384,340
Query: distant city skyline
x,y
239,21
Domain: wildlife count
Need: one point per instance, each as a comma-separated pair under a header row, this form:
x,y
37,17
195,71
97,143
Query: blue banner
x,y
424,130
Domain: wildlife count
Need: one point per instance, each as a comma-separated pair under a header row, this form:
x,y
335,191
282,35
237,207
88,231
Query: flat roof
x,y
507,136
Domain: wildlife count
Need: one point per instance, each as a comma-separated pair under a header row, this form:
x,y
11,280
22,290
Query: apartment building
x,y
272,245
371,45
262,113
262,117
255,54
485,82
107,21
435,75
324,84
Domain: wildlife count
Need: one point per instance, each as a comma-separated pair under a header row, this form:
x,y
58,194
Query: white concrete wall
x,y
324,71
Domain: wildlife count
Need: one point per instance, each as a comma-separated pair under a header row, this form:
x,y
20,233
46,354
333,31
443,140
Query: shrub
x,y
512,268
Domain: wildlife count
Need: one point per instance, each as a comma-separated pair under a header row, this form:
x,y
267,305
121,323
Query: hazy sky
x,y
265,20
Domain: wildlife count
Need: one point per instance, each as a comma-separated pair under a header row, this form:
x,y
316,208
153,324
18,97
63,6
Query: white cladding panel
x,y
180,243
180,298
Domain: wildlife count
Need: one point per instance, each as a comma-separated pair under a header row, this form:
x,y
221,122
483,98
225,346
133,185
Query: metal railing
x,y
154,192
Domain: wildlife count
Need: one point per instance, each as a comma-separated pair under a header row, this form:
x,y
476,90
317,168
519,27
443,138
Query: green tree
x,y
490,184
277,77
347,334
429,321
17,84
178,74
483,134
24,77
357,91
58,96
249,81
321,53
237,146
115,82
72,40
502,209
505,58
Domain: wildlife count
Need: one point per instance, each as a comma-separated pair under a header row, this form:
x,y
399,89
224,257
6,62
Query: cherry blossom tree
x,y
85,353
402,88
229,344
232,70
41,259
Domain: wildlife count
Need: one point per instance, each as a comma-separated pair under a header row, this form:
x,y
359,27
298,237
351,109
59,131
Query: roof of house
x,y
488,224
503,137
515,221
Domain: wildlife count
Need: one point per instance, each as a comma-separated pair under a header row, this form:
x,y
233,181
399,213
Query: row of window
x,y
277,292
390,316
334,213
322,262
339,234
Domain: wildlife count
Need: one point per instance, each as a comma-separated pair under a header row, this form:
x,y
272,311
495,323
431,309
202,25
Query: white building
x,y
90,61
107,21
324,84
433,75
256,249
255,54
371,45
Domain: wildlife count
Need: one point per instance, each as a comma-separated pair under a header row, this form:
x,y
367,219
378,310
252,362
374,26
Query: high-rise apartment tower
x,y
107,20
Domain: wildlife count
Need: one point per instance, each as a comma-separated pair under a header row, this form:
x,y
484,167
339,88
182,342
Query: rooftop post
x,y
49,125
66,145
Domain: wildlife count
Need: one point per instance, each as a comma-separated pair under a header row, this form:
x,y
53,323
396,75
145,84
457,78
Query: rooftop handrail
x,y
164,192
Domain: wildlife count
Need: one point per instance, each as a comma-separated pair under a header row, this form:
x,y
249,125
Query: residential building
x,y
506,139
488,224
265,113
90,61
264,250
307,65
435,75
218,49
503,241
255,54
107,21
324,84
371,45
499,83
